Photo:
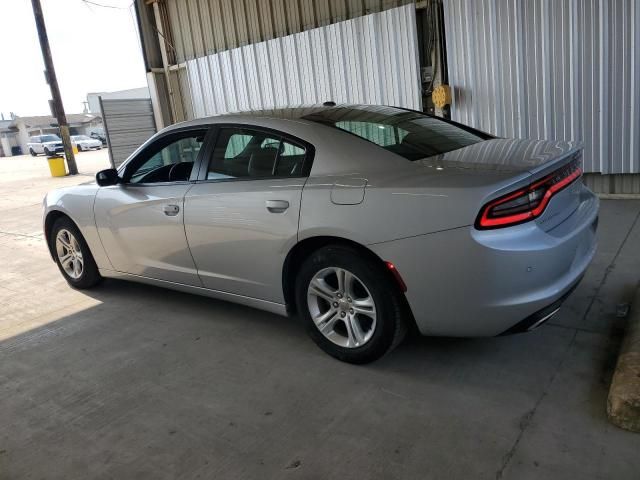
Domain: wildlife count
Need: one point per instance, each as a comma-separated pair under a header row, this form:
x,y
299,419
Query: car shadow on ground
x,y
147,364
512,355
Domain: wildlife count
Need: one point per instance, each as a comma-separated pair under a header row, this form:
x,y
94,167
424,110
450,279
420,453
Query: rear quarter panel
x,y
401,199
467,282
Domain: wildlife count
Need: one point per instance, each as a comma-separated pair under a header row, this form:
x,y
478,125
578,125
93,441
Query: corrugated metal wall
x,y
203,27
181,88
615,184
128,124
561,69
371,59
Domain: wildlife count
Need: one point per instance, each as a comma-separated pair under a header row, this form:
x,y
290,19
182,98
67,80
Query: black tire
x,y
90,275
79,148
390,326
47,152
32,152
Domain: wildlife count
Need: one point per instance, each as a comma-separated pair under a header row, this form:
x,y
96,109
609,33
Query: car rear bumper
x,y
466,282
541,316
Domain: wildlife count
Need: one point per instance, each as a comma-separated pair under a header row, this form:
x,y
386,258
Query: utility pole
x,y
52,80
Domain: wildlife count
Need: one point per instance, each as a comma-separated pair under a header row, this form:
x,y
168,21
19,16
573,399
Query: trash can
x,y
56,166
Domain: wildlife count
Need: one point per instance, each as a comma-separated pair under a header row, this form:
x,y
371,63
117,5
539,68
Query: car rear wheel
x,y
72,255
79,148
32,152
349,305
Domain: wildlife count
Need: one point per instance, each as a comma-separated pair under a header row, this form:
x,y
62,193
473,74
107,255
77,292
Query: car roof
x,y
307,113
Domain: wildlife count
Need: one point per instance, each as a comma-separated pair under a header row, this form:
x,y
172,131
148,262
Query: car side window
x,y
169,160
34,140
248,153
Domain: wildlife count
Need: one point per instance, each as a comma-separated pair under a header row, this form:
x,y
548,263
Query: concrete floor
x,y
131,381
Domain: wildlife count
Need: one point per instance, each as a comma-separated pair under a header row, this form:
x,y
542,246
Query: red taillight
x,y
527,203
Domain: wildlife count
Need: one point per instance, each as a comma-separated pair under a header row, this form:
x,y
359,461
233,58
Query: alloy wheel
x,y
69,254
341,307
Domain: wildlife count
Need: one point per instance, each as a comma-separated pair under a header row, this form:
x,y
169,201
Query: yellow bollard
x,y
56,166
75,149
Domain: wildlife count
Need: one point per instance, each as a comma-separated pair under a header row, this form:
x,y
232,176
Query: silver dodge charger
x,y
365,222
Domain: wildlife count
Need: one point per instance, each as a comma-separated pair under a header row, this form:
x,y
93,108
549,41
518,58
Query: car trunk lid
x,y
539,159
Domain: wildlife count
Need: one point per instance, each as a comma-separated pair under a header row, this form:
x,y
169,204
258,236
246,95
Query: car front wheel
x,y
349,305
72,255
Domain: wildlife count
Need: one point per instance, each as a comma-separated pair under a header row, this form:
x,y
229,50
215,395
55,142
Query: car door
x,y
241,218
141,220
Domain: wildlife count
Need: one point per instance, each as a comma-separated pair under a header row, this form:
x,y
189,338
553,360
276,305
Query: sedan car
x,y
99,135
363,221
84,142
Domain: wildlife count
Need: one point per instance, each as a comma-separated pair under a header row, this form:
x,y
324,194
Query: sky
x,y
94,49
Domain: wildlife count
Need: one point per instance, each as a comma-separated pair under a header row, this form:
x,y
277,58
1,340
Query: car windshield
x,y
80,137
49,138
412,135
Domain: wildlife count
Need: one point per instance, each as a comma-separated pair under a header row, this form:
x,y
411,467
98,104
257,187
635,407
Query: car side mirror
x,y
107,177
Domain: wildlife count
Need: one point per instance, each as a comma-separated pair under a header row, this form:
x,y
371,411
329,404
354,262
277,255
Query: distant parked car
x,y
47,144
84,142
99,135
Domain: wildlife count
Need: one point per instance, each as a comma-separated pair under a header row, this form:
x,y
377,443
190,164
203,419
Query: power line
x,y
103,5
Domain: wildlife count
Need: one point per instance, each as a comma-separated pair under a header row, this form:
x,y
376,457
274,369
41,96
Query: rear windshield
x,y
412,135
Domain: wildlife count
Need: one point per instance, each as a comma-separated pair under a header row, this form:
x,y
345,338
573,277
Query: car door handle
x,y
171,210
277,206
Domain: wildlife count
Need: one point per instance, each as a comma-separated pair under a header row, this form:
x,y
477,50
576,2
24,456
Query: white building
x,y
15,133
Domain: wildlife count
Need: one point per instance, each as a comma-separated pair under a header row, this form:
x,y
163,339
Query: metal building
x,y
563,69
